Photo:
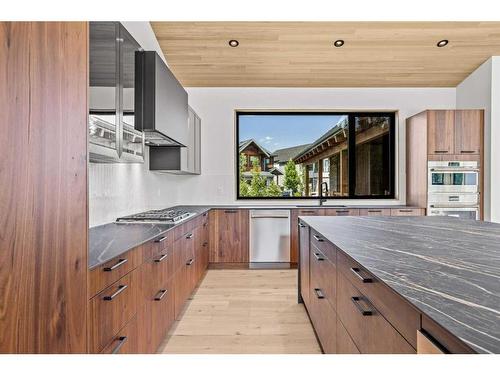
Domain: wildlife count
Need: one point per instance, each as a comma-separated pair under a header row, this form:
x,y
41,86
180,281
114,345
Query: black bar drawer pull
x,y
159,296
120,263
441,152
121,341
120,290
374,210
162,258
319,293
161,239
318,238
205,244
356,301
307,212
189,262
404,210
189,236
342,211
357,271
467,152
230,211
319,256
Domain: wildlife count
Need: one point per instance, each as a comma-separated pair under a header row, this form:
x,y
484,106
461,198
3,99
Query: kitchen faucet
x,y
321,190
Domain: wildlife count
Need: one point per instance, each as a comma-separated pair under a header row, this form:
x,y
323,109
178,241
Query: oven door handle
x,y
453,170
444,207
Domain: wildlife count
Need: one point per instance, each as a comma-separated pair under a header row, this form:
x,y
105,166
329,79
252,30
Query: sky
x,y
281,131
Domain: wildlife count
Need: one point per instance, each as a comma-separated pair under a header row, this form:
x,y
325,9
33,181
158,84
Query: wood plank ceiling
x,y
301,54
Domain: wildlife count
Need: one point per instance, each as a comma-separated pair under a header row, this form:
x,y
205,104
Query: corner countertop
x,y
447,268
110,240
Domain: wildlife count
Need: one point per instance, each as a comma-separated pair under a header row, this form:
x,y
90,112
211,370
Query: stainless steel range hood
x,y
161,102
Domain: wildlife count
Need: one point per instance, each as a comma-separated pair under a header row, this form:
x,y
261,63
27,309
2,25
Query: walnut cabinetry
x,y
137,296
350,311
441,135
229,236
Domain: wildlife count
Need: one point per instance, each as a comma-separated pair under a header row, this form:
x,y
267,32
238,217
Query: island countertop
x,y
448,268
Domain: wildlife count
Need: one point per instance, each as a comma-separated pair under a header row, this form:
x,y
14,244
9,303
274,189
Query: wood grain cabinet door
x,y
468,131
231,230
304,262
440,130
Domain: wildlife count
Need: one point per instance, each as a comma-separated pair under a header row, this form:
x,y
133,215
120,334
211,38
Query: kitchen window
x,y
308,155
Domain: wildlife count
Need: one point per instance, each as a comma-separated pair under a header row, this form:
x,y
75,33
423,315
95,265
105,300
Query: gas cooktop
x,y
156,216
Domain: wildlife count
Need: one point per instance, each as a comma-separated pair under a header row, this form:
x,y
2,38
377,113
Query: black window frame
x,y
351,151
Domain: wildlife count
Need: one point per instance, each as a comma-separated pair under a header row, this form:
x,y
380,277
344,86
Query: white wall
x,y
216,108
481,90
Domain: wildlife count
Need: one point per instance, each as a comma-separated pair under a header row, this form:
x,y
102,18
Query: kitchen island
x,y
439,276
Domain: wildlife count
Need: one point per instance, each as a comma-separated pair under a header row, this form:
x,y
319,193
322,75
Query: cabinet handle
x,y
162,258
121,341
230,211
467,152
159,296
120,290
307,212
318,256
189,262
356,271
204,214
356,301
405,210
374,210
189,236
341,211
205,224
319,293
161,239
441,151
301,225
120,263
205,244
317,238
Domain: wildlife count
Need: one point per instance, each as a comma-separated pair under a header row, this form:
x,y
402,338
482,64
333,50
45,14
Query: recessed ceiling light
x,y
338,43
442,43
234,43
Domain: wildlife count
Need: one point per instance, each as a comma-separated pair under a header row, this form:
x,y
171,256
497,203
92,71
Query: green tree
x,y
244,188
257,185
291,180
273,190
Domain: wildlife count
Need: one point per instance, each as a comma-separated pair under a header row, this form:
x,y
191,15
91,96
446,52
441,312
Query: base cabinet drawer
x,y
324,319
369,330
110,310
397,311
374,212
323,276
407,212
126,341
345,345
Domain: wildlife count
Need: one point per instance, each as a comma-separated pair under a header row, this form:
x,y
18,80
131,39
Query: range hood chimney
x,y
161,103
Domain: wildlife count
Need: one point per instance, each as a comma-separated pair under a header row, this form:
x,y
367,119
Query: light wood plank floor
x,y
243,311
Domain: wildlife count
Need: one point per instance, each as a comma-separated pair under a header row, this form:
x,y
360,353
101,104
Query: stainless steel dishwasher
x,y
270,236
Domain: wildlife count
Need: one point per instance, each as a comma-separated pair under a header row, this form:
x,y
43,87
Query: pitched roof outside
x,y
244,144
285,154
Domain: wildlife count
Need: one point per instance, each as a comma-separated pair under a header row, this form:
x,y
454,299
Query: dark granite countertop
x,y
111,240
447,268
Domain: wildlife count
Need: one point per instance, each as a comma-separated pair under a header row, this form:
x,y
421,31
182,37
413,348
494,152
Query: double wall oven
x,y
453,189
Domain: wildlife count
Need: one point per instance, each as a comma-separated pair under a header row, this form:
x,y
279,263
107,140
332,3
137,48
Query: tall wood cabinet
x,y
441,135
43,190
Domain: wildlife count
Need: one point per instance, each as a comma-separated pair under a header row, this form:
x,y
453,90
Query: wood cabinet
x,y
441,129
350,310
304,263
441,135
229,236
468,132
43,189
134,313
